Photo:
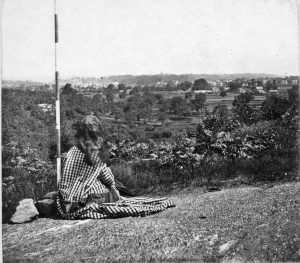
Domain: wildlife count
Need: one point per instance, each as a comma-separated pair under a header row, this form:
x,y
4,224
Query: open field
x,y
213,100
181,123
245,224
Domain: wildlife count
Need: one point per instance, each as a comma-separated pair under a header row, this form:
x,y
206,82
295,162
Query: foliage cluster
x,y
257,143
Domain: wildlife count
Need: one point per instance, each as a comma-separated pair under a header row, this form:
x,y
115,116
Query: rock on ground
x,y
46,207
25,212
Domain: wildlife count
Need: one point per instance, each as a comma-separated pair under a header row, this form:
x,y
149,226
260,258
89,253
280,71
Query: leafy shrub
x,y
274,107
32,182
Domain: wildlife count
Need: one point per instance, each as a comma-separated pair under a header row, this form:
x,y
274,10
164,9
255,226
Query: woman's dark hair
x,y
88,127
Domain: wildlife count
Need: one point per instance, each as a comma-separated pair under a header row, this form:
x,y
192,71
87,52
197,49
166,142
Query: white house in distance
x,y
216,89
260,90
46,107
203,91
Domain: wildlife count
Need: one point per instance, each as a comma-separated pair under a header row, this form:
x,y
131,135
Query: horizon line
x,y
37,79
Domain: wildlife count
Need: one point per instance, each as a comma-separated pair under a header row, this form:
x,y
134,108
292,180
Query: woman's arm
x,y
107,178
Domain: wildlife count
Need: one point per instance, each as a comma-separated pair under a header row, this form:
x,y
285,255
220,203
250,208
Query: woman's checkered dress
x,y
80,180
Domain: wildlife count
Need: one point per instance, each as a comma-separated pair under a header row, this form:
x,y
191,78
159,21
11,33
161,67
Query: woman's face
x,y
99,142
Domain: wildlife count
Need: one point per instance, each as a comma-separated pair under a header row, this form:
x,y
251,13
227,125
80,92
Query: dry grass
x,y
263,222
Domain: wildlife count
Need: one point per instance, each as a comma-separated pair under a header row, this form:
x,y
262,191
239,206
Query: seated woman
x,y
87,188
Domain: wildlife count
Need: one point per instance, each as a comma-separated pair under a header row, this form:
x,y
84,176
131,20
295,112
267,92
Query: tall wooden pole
x,y
298,10
57,102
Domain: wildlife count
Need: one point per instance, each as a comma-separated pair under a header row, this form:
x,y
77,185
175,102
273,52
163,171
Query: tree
x,y
135,99
109,92
259,83
186,85
162,117
199,101
147,89
96,101
148,98
170,86
67,89
135,90
274,107
252,84
118,113
270,85
130,117
110,86
188,95
165,105
179,106
128,107
144,112
159,98
70,113
123,94
245,112
200,84
110,97
234,86
294,94
223,93
121,86
221,111
242,99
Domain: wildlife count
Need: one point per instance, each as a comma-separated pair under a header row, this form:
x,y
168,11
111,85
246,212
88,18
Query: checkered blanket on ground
x,y
80,180
132,206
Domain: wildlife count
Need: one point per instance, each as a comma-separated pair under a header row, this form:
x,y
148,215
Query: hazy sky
x,y
108,37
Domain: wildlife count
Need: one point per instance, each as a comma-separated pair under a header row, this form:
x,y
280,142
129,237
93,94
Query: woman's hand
x,y
115,193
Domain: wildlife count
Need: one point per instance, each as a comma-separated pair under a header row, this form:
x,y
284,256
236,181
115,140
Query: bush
x,y
274,107
223,93
18,184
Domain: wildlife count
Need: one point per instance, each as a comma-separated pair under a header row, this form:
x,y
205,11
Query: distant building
x,y
260,90
244,90
203,91
216,89
161,84
46,107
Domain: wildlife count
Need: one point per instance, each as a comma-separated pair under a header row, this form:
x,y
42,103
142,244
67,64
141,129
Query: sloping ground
x,y
261,225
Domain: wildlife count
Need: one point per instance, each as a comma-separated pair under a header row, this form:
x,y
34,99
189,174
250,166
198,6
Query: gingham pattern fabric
x,y
80,179
133,206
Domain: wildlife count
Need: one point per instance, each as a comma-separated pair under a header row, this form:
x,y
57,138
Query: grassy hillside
x,y
246,224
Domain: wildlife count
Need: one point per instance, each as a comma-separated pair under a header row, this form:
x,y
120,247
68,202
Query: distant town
x,y
218,88
169,81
